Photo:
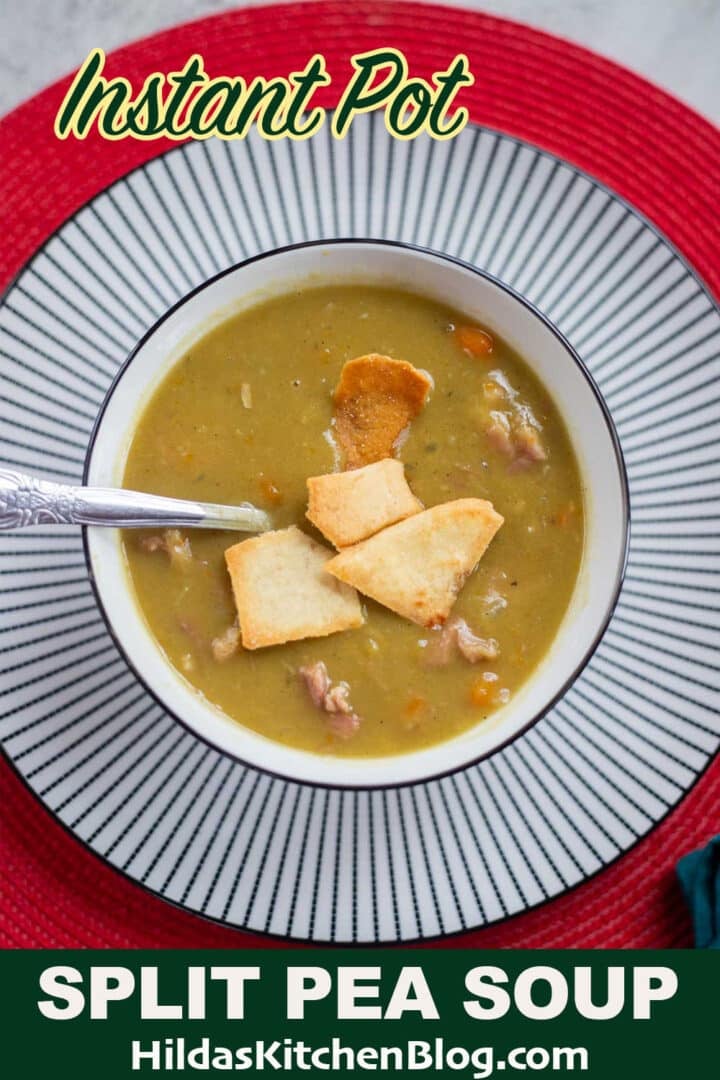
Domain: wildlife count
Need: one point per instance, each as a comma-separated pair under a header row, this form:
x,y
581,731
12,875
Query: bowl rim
x,y
621,568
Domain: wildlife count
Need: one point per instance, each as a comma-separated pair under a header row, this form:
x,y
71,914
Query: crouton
x,y
375,401
348,507
417,567
282,592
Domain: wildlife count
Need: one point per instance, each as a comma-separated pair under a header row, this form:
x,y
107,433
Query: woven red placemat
x,y
648,147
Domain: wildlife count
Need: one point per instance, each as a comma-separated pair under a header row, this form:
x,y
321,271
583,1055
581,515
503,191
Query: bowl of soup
x,y
448,501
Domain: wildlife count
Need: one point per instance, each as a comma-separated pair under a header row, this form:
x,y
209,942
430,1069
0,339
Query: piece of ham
x,y
151,544
333,699
173,543
511,427
499,433
472,647
457,635
317,681
226,644
343,720
528,442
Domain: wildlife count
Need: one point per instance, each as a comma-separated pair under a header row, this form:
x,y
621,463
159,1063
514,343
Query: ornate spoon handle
x,y
25,500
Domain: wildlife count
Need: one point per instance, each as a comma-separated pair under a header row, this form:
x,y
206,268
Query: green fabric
x,y
699,874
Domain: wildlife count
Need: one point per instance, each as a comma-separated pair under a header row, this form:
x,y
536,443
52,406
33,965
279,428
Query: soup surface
x,y
246,415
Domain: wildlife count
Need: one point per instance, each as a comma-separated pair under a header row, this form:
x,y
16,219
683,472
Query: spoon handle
x,y
25,500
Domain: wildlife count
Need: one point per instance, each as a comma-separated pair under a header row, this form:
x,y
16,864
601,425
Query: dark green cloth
x,y
699,874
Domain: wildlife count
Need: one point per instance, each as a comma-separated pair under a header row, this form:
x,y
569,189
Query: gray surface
x,y
674,43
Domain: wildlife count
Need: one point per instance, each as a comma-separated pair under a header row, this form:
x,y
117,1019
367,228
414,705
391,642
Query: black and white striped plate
x,y
630,737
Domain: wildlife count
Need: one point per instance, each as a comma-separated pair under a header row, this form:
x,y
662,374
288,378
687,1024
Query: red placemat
x,y
648,147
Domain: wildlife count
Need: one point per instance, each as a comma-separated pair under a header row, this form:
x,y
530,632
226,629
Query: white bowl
x,y
481,298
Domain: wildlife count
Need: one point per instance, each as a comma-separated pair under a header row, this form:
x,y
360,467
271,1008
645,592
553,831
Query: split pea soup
x,y
247,415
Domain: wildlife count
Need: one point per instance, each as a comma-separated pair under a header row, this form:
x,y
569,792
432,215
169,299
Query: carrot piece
x,y
565,516
473,340
270,492
415,705
488,693
480,693
413,711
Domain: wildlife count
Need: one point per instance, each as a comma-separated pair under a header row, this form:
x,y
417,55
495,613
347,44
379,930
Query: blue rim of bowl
x,y
619,463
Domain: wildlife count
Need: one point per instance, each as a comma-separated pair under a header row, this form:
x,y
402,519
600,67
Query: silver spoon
x,y
25,500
